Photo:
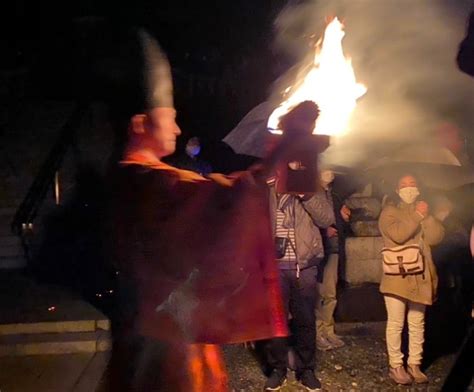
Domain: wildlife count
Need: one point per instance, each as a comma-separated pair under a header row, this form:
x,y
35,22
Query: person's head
x,y
300,118
155,131
407,188
326,177
193,147
145,96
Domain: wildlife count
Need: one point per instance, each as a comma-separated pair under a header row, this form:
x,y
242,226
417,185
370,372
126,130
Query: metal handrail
x,y
29,207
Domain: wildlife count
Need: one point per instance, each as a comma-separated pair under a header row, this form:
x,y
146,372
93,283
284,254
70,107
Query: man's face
x,y
162,131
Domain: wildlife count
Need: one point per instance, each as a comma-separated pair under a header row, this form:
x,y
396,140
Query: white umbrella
x,y
248,137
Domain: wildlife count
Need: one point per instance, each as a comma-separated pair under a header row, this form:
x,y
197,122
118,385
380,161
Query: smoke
x,y
404,52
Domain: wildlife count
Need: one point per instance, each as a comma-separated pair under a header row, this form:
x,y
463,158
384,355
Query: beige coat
x,y
402,225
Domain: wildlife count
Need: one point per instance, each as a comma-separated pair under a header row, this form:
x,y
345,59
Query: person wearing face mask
x,y
190,159
406,294
334,250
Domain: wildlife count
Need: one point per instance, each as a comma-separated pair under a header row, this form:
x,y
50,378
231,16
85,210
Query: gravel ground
x,y
359,366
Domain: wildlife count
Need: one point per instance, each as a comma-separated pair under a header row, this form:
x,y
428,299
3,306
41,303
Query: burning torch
x,y
330,86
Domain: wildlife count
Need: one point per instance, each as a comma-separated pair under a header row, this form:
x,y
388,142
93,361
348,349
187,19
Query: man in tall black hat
x,y
185,288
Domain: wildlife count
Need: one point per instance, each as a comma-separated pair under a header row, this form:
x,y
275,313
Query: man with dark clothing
x,y
330,272
295,222
190,160
465,58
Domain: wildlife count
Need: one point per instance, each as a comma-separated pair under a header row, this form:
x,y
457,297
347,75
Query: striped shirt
x,y
281,231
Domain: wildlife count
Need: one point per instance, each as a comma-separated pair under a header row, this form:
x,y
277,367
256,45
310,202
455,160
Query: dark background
x,y
225,47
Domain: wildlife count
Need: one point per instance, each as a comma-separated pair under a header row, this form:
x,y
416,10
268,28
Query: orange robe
x,y
200,253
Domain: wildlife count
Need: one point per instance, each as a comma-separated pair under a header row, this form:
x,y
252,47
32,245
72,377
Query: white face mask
x,y
409,194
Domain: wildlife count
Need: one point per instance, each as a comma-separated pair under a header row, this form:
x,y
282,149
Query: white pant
x,y
327,301
396,311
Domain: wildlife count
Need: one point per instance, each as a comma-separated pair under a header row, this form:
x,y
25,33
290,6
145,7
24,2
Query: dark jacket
x,y
338,244
310,215
465,58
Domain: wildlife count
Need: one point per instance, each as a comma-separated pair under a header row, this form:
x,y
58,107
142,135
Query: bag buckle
x,y
400,265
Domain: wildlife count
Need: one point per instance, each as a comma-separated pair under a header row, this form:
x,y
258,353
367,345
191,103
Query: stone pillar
x,y
363,258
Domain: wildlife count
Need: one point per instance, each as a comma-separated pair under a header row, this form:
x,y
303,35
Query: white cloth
x,y
396,310
281,231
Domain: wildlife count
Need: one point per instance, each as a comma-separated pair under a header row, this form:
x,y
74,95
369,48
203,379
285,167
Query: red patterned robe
x,y
201,258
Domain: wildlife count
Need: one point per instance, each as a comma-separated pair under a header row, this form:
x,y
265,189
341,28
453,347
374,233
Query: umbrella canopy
x,y
436,167
427,154
431,175
248,137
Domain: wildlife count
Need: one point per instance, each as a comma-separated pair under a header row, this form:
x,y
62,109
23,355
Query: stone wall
x,y
363,257
364,262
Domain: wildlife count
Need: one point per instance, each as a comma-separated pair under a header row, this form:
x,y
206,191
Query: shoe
x,y
309,381
335,341
276,380
323,344
400,376
415,372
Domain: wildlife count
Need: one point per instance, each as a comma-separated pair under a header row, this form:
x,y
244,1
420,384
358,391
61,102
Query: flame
x,y
330,83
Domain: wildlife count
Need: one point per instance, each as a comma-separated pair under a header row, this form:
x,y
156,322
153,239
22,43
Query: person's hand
x,y
331,232
345,213
442,213
422,208
442,209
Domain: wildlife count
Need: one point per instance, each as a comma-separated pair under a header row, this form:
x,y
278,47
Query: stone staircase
x,y
11,251
39,320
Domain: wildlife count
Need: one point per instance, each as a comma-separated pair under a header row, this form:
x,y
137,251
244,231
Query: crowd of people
x,y
207,259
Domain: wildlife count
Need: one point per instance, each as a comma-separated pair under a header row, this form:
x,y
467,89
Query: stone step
x,y
8,211
5,227
46,308
10,240
11,250
55,343
80,372
12,262
12,255
54,327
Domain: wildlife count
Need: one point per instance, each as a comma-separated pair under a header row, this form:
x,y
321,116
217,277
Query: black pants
x,y
299,298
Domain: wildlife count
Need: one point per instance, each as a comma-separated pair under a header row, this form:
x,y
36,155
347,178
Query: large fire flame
x,y
330,83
